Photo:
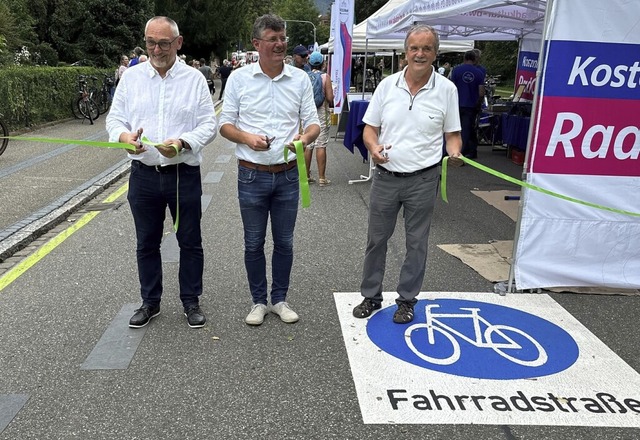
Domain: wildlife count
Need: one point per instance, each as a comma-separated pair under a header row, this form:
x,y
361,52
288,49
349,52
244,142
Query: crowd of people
x,y
405,146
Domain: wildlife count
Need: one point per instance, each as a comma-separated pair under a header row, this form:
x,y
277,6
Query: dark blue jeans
x,y
150,192
262,195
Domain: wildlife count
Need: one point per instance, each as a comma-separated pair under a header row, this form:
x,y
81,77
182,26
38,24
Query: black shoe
x,y
195,316
365,308
404,314
143,315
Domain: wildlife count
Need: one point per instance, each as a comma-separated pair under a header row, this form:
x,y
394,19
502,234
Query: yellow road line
x,y
20,268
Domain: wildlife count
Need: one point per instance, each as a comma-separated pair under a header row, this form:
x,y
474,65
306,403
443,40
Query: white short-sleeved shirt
x,y
255,103
413,125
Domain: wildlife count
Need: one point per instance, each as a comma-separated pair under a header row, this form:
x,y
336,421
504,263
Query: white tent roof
x,y
475,19
359,43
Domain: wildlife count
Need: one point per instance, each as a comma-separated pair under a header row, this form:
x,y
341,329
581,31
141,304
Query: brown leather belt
x,y
277,168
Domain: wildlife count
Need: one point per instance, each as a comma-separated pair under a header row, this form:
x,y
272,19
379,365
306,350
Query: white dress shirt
x,y
413,125
177,106
257,104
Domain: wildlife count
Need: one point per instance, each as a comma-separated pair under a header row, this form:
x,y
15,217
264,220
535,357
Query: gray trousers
x,y
417,196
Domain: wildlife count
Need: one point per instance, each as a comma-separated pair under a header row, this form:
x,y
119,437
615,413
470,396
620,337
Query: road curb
x,y
19,235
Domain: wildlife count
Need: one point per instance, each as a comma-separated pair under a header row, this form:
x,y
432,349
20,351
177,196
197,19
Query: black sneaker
x,y
143,315
195,316
366,308
404,314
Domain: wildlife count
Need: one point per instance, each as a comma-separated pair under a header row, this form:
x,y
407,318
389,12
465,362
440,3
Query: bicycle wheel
x,y
104,101
75,108
94,110
448,348
89,109
5,132
506,333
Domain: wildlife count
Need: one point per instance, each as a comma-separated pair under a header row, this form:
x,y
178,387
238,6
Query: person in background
x,y
136,56
478,53
142,58
225,70
300,54
124,63
208,74
316,61
444,69
268,185
177,111
409,111
469,81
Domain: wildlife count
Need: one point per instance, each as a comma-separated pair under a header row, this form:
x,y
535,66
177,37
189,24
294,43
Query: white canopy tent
x,y
460,19
360,44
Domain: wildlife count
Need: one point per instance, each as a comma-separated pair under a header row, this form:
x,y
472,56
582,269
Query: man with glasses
x,y
300,54
173,108
263,106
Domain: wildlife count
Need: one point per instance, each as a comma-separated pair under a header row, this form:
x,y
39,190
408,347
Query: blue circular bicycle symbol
x,y
475,339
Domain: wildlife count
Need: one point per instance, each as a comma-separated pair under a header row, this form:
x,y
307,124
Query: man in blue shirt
x,y
469,81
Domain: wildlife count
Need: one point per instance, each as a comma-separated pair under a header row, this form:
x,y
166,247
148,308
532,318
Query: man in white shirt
x,y
263,106
408,114
169,103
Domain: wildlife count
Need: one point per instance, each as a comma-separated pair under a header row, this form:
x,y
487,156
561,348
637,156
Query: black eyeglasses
x,y
274,40
163,45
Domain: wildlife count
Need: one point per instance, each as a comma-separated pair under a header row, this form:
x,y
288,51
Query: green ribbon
x,y
443,187
73,142
305,194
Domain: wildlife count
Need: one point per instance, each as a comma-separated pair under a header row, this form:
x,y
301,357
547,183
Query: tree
x,y
364,8
302,10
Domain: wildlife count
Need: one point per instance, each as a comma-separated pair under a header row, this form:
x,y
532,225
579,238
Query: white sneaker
x,y
256,315
285,313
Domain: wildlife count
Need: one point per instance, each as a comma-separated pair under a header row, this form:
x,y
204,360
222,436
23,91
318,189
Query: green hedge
x,y
31,96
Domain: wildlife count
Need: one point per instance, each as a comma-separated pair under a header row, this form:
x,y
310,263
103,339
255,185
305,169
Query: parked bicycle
x,y
5,132
103,98
83,105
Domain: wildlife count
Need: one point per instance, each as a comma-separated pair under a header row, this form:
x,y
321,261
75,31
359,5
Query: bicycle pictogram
x,y
498,337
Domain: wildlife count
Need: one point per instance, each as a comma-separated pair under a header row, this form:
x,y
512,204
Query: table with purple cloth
x,y
355,126
515,131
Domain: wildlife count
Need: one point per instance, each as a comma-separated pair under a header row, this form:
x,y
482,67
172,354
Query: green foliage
x,y
500,58
305,10
35,95
364,8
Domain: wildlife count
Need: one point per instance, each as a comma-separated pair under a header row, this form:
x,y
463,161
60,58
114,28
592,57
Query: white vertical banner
x,y
585,144
342,22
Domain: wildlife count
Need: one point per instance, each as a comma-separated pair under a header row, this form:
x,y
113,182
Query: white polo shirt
x,y
257,104
413,125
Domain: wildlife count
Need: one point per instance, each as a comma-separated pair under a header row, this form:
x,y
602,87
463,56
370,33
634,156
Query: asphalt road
x,y
227,380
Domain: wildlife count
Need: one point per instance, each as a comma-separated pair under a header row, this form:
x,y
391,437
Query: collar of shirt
x,y
402,82
256,69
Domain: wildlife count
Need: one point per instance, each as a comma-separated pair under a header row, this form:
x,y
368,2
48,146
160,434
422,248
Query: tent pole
x,y
534,113
364,66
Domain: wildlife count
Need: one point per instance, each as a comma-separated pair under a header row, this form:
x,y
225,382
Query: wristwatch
x,y
185,145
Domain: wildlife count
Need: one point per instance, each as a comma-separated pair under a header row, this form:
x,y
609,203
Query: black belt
x,y
166,169
277,168
413,173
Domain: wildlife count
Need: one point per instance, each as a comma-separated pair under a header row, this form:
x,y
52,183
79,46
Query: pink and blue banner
x,y
342,13
585,144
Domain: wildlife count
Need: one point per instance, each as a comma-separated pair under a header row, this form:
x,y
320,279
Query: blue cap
x,y
316,59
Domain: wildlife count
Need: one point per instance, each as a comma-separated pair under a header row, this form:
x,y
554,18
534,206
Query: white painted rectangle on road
x,y
481,358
